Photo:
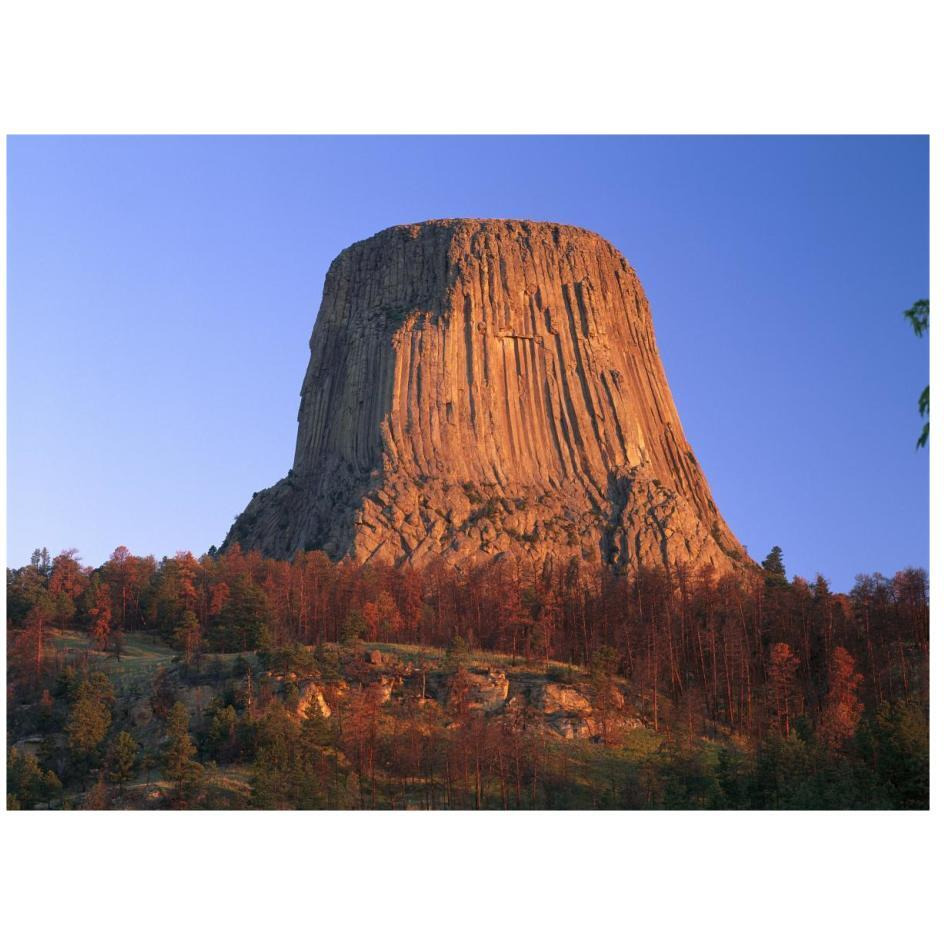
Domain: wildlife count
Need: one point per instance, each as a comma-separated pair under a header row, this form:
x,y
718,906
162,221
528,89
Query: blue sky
x,y
162,290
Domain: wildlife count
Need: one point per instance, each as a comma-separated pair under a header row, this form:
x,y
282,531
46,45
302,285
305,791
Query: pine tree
x,y
843,708
37,623
87,726
100,614
122,759
187,636
919,315
783,682
605,696
180,749
355,627
457,654
27,782
775,572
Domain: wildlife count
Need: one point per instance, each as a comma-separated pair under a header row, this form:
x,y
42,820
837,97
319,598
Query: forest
x,y
235,681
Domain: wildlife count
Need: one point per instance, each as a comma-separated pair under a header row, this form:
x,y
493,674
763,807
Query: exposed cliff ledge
x,y
480,387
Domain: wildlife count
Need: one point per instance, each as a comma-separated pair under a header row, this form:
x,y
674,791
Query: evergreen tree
x,y
605,696
782,669
843,708
86,728
27,782
40,560
99,611
353,629
457,655
919,315
243,621
187,636
774,570
901,753
122,759
221,741
179,751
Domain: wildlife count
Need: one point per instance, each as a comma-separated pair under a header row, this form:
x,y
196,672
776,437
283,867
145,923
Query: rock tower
x,y
488,387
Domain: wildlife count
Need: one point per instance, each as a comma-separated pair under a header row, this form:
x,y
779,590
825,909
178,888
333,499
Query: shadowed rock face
x,y
488,387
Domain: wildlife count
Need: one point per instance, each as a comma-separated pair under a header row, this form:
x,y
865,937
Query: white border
x,y
490,67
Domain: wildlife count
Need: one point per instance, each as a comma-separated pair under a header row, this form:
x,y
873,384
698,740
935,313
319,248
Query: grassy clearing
x,y
137,647
141,658
476,659
142,652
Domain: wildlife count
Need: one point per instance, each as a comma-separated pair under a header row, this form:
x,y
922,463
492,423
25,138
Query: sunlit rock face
x,y
480,388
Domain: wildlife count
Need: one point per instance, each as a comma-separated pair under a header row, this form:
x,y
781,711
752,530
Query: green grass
x,y
141,656
137,645
477,659
143,651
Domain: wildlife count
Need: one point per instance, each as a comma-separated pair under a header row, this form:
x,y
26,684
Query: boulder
x,y
482,690
312,695
554,697
487,692
571,726
29,745
383,688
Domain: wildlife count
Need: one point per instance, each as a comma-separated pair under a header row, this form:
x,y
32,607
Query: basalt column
x,y
488,387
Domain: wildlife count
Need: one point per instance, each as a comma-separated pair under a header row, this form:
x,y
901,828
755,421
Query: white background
x,y
721,67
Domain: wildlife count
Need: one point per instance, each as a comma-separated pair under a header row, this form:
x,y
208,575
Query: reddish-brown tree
x,y
100,616
843,708
783,685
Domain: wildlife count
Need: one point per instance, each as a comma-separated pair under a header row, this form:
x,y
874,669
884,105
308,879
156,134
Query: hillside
x,y
236,680
383,726
363,700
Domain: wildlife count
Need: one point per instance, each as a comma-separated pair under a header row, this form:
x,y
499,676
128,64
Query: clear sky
x,y
162,291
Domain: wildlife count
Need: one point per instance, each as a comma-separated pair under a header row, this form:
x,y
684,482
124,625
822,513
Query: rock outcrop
x,y
311,696
480,388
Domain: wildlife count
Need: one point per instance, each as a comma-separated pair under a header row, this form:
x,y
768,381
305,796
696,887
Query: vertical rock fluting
x,y
488,387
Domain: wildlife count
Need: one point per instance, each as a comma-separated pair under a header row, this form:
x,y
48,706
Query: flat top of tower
x,y
463,226
485,223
